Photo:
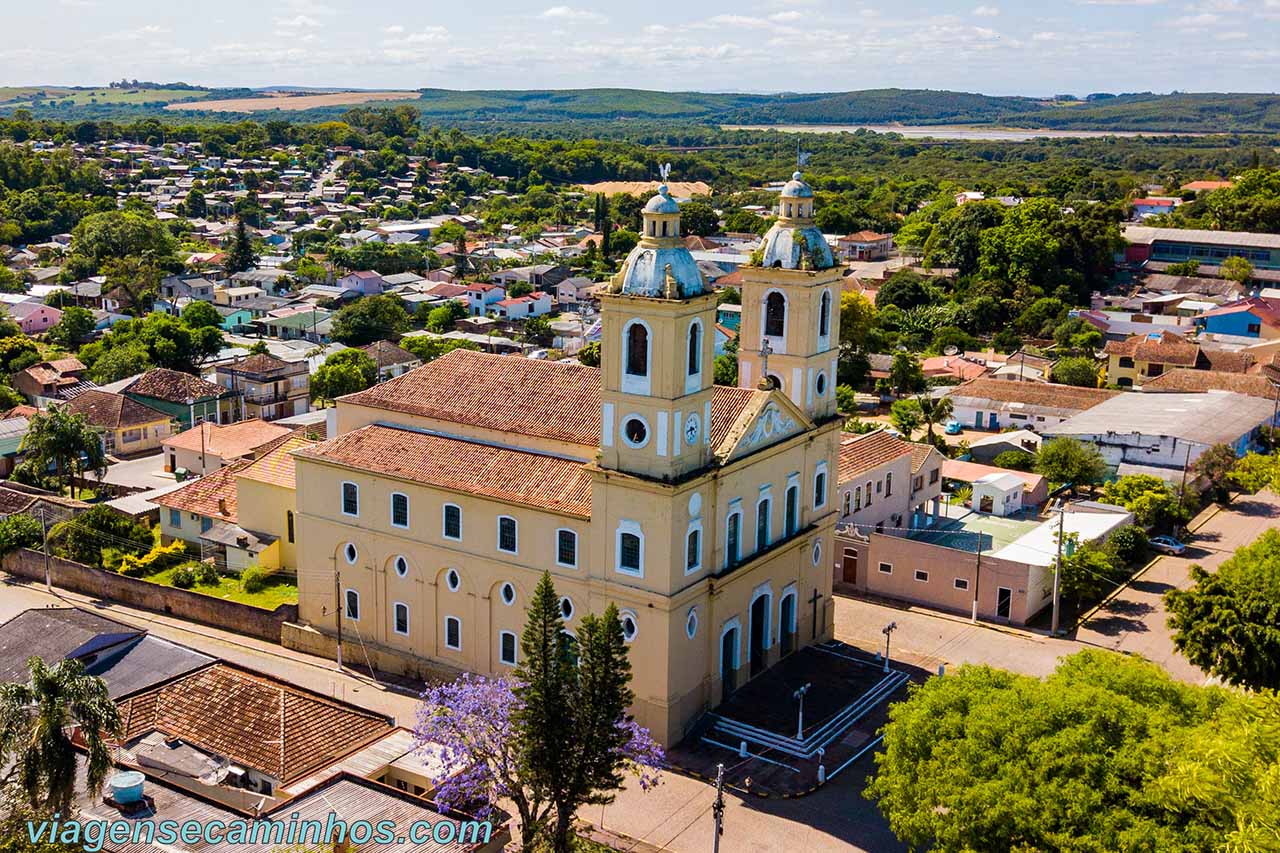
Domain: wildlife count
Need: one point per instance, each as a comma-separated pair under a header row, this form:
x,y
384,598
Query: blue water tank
x,y
126,786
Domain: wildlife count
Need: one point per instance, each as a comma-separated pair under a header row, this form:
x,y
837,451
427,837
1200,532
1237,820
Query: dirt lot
x,y
287,101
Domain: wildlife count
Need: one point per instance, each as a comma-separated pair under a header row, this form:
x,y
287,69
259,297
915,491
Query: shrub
x,y
19,531
254,579
206,574
1015,460
157,559
1128,545
184,577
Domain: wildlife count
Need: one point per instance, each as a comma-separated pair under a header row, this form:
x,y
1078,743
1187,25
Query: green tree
x,y
37,720
519,288
259,348
194,206
1227,623
905,374
906,417
200,314
537,331
1150,500
429,349
120,363
1080,372
345,372
64,441
1213,469
84,538
372,318
19,531
240,255
442,319
164,341
934,411
1237,269
1065,460
1256,471
589,355
698,218
116,235
726,370
11,282
1015,460
1107,753
906,290
74,327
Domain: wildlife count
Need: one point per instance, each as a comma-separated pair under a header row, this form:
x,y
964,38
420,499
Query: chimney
x,y
222,506
242,541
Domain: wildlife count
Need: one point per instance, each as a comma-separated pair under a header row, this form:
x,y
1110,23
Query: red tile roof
x,y
1032,393
1161,348
1188,381
113,411
520,396
385,354
276,466
254,720
529,479
174,386
228,441
212,496
861,453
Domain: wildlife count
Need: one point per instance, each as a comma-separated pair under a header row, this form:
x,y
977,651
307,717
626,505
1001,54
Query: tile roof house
x,y
997,404
187,399
126,425
269,387
1139,358
1254,317
885,482
34,318
209,446
1183,380
392,360
52,381
278,731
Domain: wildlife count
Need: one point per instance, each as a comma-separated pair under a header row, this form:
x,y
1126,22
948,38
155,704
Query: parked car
x,y
1168,545
953,427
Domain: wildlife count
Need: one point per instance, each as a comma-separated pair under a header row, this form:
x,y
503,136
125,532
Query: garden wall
x,y
184,604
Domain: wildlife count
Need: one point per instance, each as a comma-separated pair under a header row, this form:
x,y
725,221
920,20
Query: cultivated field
x,y
290,101
82,97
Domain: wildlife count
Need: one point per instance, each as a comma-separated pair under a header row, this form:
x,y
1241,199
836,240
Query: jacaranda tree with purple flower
x,y
554,737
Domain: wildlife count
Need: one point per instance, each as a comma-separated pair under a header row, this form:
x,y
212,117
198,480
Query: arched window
x,y
775,314
637,350
664,227
847,502
695,349
824,314
857,504
733,539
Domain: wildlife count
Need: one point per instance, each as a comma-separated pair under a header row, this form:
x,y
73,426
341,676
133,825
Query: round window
x,y
508,593
566,608
402,566
821,384
629,627
350,553
817,552
635,431
453,579
691,623
695,505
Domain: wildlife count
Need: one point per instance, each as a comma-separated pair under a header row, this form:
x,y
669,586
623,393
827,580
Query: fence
x,y
135,592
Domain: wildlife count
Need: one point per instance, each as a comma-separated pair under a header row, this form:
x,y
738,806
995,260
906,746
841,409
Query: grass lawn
x,y
279,590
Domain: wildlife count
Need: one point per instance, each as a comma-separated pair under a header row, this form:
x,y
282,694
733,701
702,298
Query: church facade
x,y
705,513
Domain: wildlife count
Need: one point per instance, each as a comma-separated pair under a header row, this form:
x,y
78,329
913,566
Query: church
x,y
705,513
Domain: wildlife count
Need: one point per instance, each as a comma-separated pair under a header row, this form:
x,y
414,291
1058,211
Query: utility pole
x,y
977,576
799,694
717,809
48,572
1057,573
887,630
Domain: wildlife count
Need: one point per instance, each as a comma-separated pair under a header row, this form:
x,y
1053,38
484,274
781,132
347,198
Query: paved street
x,y
677,814
1135,621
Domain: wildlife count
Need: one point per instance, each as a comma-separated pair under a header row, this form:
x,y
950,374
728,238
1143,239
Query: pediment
x,y
770,419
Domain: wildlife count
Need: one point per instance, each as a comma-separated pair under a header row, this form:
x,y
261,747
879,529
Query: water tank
x,y
126,786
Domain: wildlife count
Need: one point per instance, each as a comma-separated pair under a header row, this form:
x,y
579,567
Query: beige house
x,y
705,513
209,446
270,387
127,427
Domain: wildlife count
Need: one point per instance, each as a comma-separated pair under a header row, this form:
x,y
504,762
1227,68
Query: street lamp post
x,y
717,809
799,695
887,630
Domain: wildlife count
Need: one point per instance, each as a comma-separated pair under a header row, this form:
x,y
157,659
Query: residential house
x,y
865,246
1165,433
483,298
187,399
234,318
190,286
127,426
871,496
996,404
1173,245
52,381
1155,206
392,360
1254,317
18,498
270,387
1136,359
209,446
13,429
303,322
34,318
957,474
985,449
539,276
535,304
235,296
366,282
1185,381
574,290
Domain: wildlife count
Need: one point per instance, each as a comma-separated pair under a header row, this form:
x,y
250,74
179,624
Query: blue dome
x,y
662,202
645,272
797,188
782,248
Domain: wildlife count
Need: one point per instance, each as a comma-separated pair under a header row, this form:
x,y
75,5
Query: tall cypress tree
x,y
546,684
240,254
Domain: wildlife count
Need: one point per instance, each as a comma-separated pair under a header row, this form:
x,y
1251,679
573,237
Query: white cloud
x,y
298,22
1195,22
394,29
1045,36
1121,2
986,12
569,13
788,17
745,21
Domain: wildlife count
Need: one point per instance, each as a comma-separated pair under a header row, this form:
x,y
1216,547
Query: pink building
x,y
34,317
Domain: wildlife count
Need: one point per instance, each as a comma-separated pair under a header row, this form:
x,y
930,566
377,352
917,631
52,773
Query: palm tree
x,y
36,722
934,410
66,441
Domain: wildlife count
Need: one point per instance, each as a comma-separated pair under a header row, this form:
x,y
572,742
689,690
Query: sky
x,y
1029,47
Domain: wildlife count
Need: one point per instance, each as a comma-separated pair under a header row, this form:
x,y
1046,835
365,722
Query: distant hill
x,y
1194,112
